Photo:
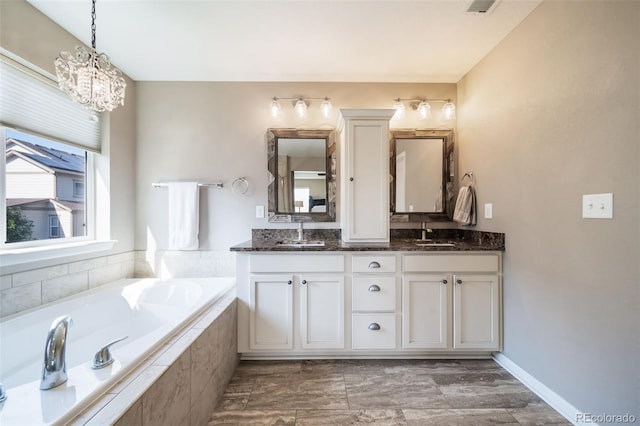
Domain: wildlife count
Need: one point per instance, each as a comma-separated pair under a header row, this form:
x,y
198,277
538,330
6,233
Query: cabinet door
x,y
367,181
322,311
271,312
425,307
476,311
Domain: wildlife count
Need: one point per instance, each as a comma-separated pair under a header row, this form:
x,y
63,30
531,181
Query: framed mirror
x,y
422,180
302,175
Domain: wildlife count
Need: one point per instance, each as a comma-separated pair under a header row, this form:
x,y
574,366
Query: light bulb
x,y
449,110
399,107
326,107
301,108
424,110
275,108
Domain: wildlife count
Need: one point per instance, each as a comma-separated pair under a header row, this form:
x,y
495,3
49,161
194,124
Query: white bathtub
x,y
148,310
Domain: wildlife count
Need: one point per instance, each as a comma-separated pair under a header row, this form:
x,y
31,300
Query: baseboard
x,y
558,403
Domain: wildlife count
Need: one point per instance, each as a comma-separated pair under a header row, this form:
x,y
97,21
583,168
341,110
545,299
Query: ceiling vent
x,y
480,6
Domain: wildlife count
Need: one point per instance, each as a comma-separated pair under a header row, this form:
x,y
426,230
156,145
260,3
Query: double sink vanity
x,y
365,289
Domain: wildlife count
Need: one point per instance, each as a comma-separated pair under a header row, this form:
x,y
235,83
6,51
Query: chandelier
x,y
88,77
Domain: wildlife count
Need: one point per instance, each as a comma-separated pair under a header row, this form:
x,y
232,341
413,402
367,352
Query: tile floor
x,y
379,392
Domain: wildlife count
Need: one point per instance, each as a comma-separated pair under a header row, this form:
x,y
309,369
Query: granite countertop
x,y
405,240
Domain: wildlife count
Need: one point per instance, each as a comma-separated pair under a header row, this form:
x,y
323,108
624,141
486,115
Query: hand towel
x,y
183,215
465,210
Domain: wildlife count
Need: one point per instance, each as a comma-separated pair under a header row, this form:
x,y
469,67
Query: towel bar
x,y
217,185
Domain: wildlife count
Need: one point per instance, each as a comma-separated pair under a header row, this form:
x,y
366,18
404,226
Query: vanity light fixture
x,y
449,110
88,77
301,106
399,107
423,107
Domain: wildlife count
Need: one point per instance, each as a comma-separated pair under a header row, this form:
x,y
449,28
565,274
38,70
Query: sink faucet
x,y
300,231
425,230
54,371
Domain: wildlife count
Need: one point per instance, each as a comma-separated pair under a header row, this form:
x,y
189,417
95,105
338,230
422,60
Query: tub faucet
x,y
54,371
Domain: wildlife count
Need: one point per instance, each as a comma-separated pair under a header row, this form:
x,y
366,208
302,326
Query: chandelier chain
x,y
93,24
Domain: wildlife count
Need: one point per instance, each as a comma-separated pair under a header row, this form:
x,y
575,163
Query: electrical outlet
x,y
597,206
488,211
259,212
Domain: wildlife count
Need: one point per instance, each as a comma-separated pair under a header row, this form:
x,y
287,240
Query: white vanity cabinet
x,y
295,302
364,149
368,303
452,301
374,319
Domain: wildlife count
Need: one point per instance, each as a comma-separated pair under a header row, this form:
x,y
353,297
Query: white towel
x,y
183,215
465,210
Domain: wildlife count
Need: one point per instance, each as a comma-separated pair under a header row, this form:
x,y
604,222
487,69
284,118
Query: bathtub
x,y
149,311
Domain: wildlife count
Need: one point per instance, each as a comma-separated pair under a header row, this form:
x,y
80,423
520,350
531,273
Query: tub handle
x,y
3,394
103,357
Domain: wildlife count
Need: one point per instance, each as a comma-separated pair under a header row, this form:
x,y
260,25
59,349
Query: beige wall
x,y
26,32
216,131
550,114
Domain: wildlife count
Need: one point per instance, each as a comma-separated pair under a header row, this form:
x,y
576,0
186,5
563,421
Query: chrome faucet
x,y
54,371
425,230
300,231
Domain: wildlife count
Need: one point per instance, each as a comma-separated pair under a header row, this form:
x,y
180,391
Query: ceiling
x,y
292,40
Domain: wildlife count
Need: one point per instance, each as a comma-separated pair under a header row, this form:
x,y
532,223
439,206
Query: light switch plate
x,y
259,212
488,211
597,206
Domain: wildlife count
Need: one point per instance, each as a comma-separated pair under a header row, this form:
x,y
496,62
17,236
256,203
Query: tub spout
x,y
54,371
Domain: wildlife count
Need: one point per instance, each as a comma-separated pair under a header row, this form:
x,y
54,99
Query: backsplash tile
x,y
28,277
21,298
57,288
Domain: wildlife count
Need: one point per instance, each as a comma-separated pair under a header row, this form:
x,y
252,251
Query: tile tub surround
x,y
24,290
182,382
184,264
380,392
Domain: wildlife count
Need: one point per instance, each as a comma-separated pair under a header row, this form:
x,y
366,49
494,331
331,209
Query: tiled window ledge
x,y
15,260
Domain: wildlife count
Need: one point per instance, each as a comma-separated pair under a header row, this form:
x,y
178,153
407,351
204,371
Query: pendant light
x,y
88,77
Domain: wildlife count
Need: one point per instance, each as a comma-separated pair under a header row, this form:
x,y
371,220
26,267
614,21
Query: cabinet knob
x,y
289,282
304,282
444,282
350,179
458,281
374,265
374,326
374,287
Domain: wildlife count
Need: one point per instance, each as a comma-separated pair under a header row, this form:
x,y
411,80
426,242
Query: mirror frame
x,y
329,136
448,175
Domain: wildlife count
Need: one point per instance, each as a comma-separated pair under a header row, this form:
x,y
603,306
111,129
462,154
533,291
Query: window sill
x,y
46,255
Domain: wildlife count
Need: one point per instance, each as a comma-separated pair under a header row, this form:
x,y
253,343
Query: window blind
x,y
28,102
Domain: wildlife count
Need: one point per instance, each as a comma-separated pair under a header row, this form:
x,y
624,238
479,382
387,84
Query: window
x,y
78,189
44,187
54,227
48,172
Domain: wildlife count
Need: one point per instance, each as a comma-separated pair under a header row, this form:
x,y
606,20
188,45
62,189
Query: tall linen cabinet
x,y
364,189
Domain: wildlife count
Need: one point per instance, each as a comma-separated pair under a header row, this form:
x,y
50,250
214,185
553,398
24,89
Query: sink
x,y
434,244
303,243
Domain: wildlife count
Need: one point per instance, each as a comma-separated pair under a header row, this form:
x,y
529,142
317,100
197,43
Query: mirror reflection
x,y
303,175
302,171
419,175
422,174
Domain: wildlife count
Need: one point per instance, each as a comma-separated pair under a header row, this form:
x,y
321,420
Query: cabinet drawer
x,y
374,331
374,263
297,263
374,293
447,263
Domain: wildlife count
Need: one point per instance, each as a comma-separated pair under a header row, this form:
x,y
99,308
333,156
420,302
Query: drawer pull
x,y
304,282
374,265
458,281
289,282
374,326
374,287
444,282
